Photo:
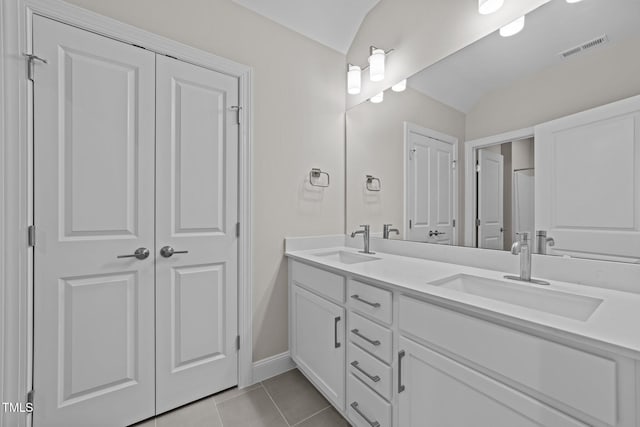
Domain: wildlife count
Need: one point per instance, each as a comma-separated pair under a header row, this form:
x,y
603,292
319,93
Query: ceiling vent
x,y
598,41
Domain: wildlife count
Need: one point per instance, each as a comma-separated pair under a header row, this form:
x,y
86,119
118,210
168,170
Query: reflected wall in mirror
x,y
535,132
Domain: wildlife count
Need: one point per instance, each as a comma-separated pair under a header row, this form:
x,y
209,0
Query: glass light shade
x,y
486,7
376,65
354,79
377,99
400,86
513,28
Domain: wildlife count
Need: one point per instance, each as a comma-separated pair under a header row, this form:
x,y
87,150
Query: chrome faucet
x,y
542,241
386,230
365,236
521,247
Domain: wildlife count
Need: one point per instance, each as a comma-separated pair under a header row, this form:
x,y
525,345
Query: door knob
x,y
436,233
168,251
140,253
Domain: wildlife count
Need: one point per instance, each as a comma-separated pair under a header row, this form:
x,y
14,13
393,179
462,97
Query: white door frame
x,y
442,137
470,157
16,151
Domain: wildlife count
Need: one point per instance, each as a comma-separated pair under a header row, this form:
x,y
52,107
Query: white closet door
x,y
588,182
196,211
442,190
94,184
491,200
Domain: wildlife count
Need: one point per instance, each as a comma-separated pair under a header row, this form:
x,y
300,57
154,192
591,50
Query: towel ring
x,y
370,183
315,175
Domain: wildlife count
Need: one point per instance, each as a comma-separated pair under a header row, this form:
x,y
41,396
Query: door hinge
x,y
477,222
237,109
478,166
410,224
30,397
453,164
238,342
31,236
31,58
454,223
237,229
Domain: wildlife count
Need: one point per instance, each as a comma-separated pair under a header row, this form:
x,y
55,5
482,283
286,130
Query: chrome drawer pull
x,y
357,333
372,304
373,378
355,406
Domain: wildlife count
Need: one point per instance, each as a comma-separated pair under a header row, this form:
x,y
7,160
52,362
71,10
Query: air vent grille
x,y
599,41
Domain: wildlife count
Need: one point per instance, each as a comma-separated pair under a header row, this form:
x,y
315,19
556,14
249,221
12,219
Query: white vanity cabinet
x,y
406,360
317,339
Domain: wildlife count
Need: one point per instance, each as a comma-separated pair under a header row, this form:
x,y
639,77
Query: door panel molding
x,y
16,189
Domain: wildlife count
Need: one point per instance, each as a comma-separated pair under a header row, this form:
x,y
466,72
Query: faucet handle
x,y
523,236
365,226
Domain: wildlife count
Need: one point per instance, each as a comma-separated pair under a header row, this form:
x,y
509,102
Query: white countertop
x,y
616,322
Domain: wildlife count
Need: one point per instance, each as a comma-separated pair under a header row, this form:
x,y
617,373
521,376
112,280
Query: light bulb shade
x,y
513,28
400,86
486,7
354,79
377,99
376,65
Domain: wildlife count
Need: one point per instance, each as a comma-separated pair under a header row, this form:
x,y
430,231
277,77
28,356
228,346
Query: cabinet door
x,y
439,392
318,342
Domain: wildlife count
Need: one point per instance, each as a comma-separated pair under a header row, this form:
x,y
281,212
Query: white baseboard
x,y
272,366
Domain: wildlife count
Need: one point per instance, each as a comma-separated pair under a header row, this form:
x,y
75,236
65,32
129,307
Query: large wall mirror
x,y
538,133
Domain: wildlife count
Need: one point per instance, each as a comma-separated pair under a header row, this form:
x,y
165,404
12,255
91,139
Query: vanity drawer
x,y
319,281
370,300
370,370
364,407
375,339
552,369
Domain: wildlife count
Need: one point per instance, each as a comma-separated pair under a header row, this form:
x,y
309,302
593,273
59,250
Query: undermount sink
x,y
576,307
346,257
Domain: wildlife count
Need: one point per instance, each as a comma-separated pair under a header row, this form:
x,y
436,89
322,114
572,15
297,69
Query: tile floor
x,y
287,400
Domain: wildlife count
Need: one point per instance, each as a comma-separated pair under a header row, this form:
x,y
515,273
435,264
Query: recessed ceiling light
x,y
513,28
486,7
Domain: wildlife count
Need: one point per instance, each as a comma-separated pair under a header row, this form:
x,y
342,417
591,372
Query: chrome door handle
x,y
373,378
372,304
401,355
168,251
357,333
140,253
336,343
355,407
436,233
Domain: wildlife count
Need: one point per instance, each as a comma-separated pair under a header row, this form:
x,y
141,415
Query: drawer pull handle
x,y
373,378
372,304
357,333
401,354
355,407
335,332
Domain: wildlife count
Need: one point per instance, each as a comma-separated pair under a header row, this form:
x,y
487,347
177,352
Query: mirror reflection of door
x,y
430,187
490,198
505,193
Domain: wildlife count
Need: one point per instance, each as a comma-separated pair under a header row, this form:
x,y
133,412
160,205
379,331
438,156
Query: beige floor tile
x,y
251,409
234,392
199,414
295,396
327,418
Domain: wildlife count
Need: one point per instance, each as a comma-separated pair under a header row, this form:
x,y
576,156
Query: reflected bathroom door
x,y
490,200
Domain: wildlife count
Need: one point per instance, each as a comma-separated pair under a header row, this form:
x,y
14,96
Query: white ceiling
x,y
333,23
463,78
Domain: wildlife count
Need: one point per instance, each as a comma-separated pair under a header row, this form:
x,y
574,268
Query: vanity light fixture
x,y
376,64
485,7
512,28
354,79
400,86
377,99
